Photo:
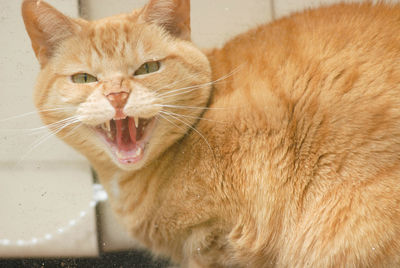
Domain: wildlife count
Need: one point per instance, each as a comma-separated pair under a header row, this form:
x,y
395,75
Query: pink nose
x,y
118,101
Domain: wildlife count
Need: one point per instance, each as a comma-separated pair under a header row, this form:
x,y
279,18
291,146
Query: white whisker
x,y
189,116
44,128
45,138
173,83
191,127
189,89
71,131
194,87
171,122
55,124
194,107
36,112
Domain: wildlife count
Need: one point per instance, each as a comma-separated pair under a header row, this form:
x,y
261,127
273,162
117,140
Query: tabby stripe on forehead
x,y
107,47
109,42
92,37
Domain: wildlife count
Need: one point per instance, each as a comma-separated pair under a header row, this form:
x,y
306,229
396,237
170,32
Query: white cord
x,y
99,195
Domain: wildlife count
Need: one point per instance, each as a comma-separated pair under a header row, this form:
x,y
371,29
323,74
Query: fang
x,y
136,119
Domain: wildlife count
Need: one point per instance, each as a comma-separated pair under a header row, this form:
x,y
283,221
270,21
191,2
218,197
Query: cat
x,y
280,149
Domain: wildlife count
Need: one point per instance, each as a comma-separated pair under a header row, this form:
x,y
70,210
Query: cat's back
x,y
335,68
316,100
330,71
338,34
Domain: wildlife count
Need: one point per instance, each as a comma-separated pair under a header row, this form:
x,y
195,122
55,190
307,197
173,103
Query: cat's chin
x,y
126,139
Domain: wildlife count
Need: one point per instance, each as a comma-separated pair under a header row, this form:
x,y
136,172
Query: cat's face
x,y
122,85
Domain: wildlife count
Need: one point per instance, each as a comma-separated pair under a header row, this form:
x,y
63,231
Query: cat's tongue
x,y
132,129
126,134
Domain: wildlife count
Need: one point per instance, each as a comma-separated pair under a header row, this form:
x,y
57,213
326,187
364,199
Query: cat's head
x,y
123,88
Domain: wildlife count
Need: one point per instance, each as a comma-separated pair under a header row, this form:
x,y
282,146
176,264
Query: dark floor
x,y
107,260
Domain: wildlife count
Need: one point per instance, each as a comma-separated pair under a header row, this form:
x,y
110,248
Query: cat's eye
x,y
83,78
148,67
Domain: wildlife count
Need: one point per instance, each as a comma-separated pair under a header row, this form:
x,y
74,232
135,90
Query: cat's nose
x,y
118,101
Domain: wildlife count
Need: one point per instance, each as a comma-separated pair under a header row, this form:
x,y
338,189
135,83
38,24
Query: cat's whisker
x,y
191,127
182,91
59,108
35,113
185,88
194,107
190,117
44,138
62,120
194,87
173,83
37,130
53,127
70,132
165,118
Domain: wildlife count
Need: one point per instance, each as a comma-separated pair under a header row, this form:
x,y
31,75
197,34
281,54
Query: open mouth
x,y
127,137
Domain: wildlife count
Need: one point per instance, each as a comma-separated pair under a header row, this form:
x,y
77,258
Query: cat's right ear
x,y
46,27
172,15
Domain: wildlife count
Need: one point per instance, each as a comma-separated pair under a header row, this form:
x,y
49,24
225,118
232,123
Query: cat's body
x,y
295,162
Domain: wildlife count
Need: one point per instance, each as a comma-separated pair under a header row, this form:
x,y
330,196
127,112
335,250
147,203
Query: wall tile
x,y
213,22
50,198
42,185
286,7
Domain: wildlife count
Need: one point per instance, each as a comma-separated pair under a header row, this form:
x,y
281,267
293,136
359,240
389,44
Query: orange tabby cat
x,y
282,149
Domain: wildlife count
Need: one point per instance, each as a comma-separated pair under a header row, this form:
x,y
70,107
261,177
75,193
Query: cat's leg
x,y
207,247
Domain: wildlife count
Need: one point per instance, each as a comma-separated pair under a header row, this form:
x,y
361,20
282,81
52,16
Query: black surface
x,y
118,260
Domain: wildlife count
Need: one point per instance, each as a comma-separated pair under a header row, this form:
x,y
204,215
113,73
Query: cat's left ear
x,y
172,15
46,27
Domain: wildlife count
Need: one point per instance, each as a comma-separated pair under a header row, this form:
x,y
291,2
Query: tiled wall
x,y
42,189
45,187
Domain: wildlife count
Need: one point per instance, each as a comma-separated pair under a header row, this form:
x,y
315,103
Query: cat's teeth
x,y
109,135
119,155
137,153
106,127
136,119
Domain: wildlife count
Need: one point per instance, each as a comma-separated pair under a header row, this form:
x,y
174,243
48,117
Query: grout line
x,y
273,11
82,10
98,227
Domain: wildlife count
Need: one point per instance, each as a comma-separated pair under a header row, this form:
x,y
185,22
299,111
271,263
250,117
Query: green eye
x,y
148,67
83,78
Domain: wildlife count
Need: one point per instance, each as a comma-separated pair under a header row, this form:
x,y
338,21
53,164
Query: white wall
x,y
43,189
286,7
213,21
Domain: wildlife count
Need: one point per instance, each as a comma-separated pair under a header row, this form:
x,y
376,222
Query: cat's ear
x,y
46,27
173,15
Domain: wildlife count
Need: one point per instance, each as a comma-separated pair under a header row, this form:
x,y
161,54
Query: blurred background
x,y
47,208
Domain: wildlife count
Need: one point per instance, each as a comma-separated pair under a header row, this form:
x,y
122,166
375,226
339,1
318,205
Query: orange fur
x,y
295,161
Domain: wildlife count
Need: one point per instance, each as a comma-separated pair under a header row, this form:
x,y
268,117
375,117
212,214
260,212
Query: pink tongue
x,y
118,124
120,129
132,129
